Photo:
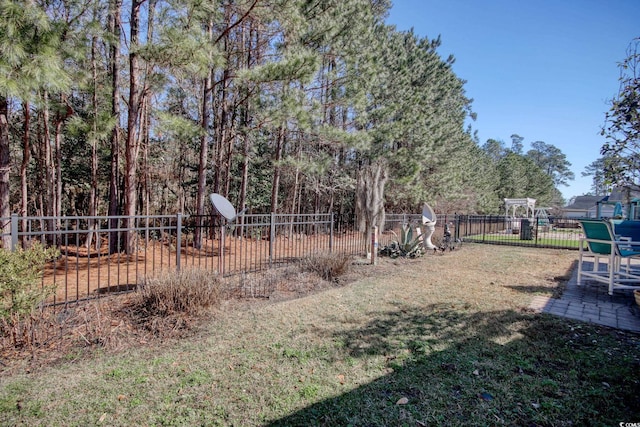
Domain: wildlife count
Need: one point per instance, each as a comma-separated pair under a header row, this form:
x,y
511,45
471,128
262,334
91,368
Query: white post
x,y
374,245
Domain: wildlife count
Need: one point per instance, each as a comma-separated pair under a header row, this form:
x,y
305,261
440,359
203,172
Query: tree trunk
x,y
248,42
114,175
229,156
58,170
144,187
294,190
45,145
145,118
93,197
202,164
26,158
49,168
370,197
275,186
221,133
5,168
132,144
244,183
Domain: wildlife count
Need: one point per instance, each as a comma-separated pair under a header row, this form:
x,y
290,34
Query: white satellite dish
x,y
428,215
223,206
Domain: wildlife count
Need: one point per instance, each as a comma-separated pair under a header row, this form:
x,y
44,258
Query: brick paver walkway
x,y
591,303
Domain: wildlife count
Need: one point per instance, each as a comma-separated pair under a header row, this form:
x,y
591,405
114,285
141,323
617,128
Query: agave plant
x,y
407,245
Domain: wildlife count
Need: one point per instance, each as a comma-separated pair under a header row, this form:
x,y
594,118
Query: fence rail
x,y
560,233
101,255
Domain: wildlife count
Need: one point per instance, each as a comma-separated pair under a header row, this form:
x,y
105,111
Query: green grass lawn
x,y
443,340
565,241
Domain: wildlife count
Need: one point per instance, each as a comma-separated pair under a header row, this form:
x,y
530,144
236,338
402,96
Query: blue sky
x,y
544,69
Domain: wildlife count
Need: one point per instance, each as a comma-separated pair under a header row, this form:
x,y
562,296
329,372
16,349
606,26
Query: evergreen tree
x,y
552,161
520,177
29,65
516,143
596,170
279,105
495,149
416,120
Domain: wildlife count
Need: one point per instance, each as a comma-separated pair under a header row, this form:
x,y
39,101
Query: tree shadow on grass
x,y
447,366
553,291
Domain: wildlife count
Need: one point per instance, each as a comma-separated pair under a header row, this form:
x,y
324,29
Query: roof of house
x,y
584,203
620,195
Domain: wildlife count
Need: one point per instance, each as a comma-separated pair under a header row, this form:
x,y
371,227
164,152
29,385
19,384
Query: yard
x,y
565,238
446,339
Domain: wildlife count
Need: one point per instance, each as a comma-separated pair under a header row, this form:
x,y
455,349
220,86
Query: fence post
x,y
374,245
178,240
484,226
272,236
221,246
14,232
456,227
331,233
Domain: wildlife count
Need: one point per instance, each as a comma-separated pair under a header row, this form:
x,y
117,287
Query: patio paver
x,y
591,303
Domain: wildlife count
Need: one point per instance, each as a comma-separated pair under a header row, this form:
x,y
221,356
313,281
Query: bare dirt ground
x,y
79,273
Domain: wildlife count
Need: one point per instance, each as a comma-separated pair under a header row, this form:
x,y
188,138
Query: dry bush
x,y
188,291
329,266
26,332
46,335
164,306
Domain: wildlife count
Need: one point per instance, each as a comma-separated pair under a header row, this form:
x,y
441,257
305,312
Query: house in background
x,y
604,206
583,207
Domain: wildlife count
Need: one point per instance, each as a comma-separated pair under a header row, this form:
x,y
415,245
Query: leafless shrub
x,y
48,334
25,332
329,266
188,291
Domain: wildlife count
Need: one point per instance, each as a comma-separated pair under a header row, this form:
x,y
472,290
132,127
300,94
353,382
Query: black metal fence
x,y
560,233
101,255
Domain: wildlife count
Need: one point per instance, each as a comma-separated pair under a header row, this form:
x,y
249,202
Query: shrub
x,y
188,291
21,290
406,246
329,266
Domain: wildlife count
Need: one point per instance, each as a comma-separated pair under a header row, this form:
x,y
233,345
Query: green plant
x,y
406,246
21,290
